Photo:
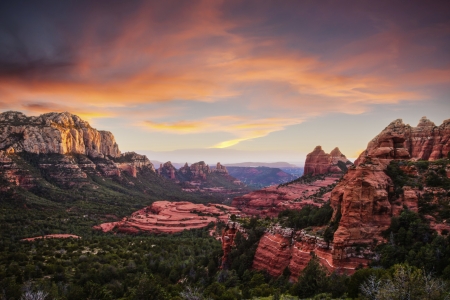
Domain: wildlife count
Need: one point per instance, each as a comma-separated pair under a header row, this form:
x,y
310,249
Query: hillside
x,y
57,163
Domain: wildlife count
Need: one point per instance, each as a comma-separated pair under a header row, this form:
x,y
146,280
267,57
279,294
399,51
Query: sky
x,y
229,80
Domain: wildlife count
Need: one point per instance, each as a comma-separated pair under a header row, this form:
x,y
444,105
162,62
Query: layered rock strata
x,y
402,141
64,148
170,217
319,162
281,249
58,133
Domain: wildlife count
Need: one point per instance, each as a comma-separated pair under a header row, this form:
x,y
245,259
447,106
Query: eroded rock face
x,y
273,254
402,141
319,162
167,170
59,133
277,251
362,200
274,199
364,196
132,163
170,217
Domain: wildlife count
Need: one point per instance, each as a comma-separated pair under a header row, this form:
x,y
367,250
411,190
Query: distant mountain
x,y
258,177
263,164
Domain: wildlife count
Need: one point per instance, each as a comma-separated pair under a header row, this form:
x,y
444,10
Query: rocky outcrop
x,y
284,248
64,148
167,170
227,238
170,217
402,141
362,198
365,197
274,199
273,254
54,133
132,163
319,162
220,168
13,174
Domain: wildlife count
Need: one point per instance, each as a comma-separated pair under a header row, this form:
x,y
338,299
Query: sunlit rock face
x,y
319,162
59,133
402,141
66,149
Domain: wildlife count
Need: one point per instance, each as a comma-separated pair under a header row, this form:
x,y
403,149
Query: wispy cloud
x,y
161,53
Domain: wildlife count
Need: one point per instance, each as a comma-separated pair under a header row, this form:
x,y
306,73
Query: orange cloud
x,y
241,127
198,55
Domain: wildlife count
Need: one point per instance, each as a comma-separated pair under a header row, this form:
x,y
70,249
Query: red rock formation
x,y
273,254
228,235
167,170
272,200
276,251
319,162
362,197
132,163
362,200
170,217
220,168
402,141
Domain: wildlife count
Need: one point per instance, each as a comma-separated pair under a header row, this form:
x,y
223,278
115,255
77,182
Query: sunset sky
x,y
267,80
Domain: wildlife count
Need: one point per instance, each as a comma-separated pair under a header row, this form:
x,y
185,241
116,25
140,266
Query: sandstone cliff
x,y
65,149
319,162
365,197
60,133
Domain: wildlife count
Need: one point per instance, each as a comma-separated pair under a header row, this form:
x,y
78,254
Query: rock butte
x,y
52,236
274,199
319,162
170,217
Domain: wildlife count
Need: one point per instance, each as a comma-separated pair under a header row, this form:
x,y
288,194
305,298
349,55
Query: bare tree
x,y
371,287
192,293
30,294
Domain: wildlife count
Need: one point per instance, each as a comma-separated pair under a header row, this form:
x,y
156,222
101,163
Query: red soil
x,y
170,217
52,236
